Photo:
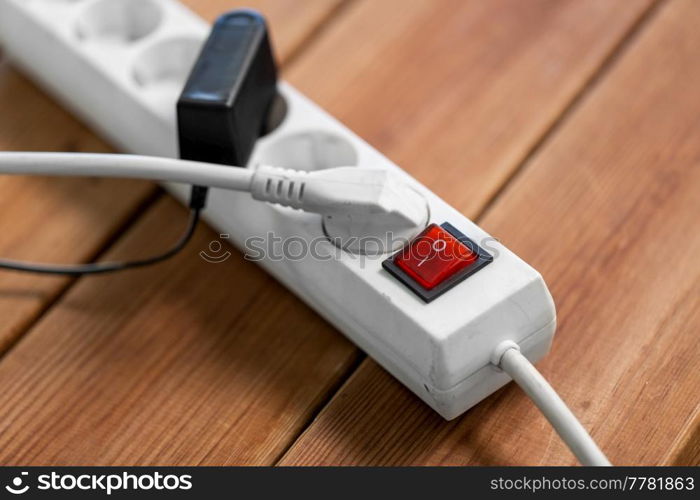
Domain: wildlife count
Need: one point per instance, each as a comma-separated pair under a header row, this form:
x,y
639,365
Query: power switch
x,y
436,260
434,256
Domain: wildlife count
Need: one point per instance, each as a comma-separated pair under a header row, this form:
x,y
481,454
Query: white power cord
x,y
124,166
361,192
509,358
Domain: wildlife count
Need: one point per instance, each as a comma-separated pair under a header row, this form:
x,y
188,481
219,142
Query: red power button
x,y
434,256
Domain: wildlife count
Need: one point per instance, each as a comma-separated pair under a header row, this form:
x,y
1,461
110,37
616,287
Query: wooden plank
x,y
608,212
57,220
256,376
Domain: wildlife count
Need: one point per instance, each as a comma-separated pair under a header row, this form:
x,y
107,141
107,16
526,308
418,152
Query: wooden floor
x,y
569,129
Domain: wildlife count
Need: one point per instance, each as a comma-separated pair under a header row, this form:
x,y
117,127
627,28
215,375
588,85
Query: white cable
x,y
548,401
125,166
352,192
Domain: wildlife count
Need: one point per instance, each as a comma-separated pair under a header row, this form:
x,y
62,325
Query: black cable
x,y
105,267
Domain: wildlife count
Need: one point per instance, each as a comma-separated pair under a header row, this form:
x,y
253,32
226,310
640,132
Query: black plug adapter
x,y
224,106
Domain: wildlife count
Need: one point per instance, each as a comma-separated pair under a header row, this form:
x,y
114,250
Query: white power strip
x,y
120,65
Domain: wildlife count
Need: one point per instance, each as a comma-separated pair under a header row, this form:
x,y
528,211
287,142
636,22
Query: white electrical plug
x,y
364,210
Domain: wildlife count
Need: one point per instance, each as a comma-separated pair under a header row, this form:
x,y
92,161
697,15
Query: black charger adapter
x,y
224,106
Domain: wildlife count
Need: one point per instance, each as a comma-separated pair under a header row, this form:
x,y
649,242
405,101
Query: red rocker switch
x,y
436,260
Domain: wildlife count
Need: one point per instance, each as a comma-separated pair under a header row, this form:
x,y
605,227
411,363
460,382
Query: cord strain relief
x,y
198,197
500,350
281,186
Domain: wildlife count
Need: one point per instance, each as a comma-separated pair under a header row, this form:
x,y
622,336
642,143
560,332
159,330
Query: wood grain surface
x,y
198,363
608,212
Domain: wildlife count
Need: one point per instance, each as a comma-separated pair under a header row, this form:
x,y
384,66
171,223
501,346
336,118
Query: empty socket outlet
x,y
309,150
119,21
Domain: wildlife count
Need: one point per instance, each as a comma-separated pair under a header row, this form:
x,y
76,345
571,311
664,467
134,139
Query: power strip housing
x,y
120,65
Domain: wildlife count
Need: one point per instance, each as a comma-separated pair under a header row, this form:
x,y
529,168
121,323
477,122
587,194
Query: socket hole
x,y
165,66
308,150
119,21
161,70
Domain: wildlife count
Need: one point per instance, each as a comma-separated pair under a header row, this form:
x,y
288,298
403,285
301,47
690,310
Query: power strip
x,y
120,65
